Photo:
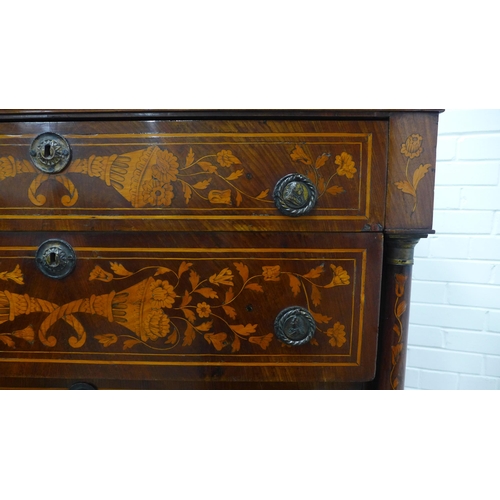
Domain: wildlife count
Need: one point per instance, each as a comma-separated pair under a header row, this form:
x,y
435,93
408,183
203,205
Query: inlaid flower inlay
x,y
411,149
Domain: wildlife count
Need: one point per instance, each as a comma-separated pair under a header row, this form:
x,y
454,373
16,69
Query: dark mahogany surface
x,y
184,262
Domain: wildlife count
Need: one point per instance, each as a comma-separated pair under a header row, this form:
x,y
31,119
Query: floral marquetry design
x,y
27,334
15,275
345,167
158,194
173,306
160,177
225,158
162,294
220,197
399,309
413,146
411,149
337,335
271,273
167,168
146,177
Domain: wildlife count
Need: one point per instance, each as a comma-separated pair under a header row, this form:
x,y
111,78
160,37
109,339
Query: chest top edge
x,y
30,115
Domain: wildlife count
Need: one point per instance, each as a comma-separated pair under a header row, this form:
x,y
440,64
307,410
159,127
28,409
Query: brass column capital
x,y
400,248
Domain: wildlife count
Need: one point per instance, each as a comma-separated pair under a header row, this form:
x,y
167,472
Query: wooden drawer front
x,y
151,306
202,175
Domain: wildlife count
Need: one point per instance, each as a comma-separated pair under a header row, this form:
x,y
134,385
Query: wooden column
x,y
395,311
409,210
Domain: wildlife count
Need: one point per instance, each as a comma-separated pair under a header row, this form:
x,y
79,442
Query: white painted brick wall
x,y
456,173
494,321
454,336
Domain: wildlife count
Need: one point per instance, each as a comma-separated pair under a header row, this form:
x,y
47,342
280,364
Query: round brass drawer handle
x,y
55,258
50,153
294,326
295,195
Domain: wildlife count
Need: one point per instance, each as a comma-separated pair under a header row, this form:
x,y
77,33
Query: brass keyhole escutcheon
x,y
55,258
50,153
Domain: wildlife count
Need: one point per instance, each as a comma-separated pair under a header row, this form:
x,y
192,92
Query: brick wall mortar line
x,y
452,329
469,134
455,306
473,261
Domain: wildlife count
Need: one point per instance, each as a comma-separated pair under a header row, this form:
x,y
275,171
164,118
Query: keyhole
x,y
48,152
53,259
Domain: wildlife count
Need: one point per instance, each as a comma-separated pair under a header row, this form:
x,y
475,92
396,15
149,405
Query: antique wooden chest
x,y
210,249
